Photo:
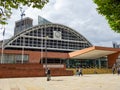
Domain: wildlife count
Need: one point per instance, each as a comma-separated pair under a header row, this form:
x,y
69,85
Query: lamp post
x,y
46,52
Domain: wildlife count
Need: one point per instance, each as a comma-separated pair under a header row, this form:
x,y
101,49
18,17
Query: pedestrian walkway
x,y
85,82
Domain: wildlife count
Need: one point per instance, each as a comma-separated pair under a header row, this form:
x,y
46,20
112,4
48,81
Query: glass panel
x,y
14,58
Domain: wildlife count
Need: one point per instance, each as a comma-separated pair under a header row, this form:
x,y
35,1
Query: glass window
x,y
14,58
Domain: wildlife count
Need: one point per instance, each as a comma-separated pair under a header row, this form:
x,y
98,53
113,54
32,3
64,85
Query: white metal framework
x,y
60,38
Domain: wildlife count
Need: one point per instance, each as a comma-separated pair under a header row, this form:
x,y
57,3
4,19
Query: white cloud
x,y
80,15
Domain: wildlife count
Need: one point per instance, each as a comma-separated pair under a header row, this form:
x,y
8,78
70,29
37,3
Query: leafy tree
x,y
7,5
111,10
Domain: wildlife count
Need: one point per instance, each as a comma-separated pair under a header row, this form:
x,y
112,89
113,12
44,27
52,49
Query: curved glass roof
x,y
54,37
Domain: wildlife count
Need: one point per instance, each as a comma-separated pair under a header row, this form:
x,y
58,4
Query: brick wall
x,y
112,59
35,56
29,70
21,70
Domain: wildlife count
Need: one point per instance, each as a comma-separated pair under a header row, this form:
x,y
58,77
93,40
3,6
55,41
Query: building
x,y
42,21
54,38
23,24
53,45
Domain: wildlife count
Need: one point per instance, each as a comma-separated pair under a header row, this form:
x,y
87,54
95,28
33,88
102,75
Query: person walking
x,y
77,71
118,70
80,72
48,72
113,69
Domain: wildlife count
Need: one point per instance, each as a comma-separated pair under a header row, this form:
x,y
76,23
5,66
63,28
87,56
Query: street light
x,y
46,52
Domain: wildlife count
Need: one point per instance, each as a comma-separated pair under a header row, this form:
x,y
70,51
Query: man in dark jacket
x,y
48,74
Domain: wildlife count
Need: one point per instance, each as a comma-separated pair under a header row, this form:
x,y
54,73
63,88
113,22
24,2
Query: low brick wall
x,y
61,72
29,70
21,70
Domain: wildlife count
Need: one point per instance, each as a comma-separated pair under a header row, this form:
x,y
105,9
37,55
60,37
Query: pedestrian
x,y
118,70
48,72
113,69
77,71
80,72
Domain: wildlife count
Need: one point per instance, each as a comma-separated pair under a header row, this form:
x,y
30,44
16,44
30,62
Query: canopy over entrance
x,y
93,52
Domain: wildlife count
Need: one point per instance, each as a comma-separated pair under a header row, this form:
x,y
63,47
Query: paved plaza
x,y
86,82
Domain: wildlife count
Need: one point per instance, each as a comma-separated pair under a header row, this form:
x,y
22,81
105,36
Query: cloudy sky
x,y
80,15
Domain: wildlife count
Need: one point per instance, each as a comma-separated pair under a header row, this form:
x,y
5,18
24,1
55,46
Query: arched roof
x,y
24,32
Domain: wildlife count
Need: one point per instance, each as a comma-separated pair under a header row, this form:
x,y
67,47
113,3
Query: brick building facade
x,y
47,44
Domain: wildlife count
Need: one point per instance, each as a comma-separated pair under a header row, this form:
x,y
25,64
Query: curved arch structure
x,y
59,38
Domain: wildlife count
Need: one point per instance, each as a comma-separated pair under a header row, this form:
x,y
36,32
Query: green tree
x,y
111,10
6,7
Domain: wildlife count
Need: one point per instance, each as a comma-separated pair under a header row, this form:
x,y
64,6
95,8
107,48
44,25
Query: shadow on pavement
x,y
56,80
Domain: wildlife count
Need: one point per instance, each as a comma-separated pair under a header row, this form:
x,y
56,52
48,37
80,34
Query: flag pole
x,y
22,14
2,56
3,34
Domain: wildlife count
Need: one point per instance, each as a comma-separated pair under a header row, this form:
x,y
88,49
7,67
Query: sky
x,y
80,15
